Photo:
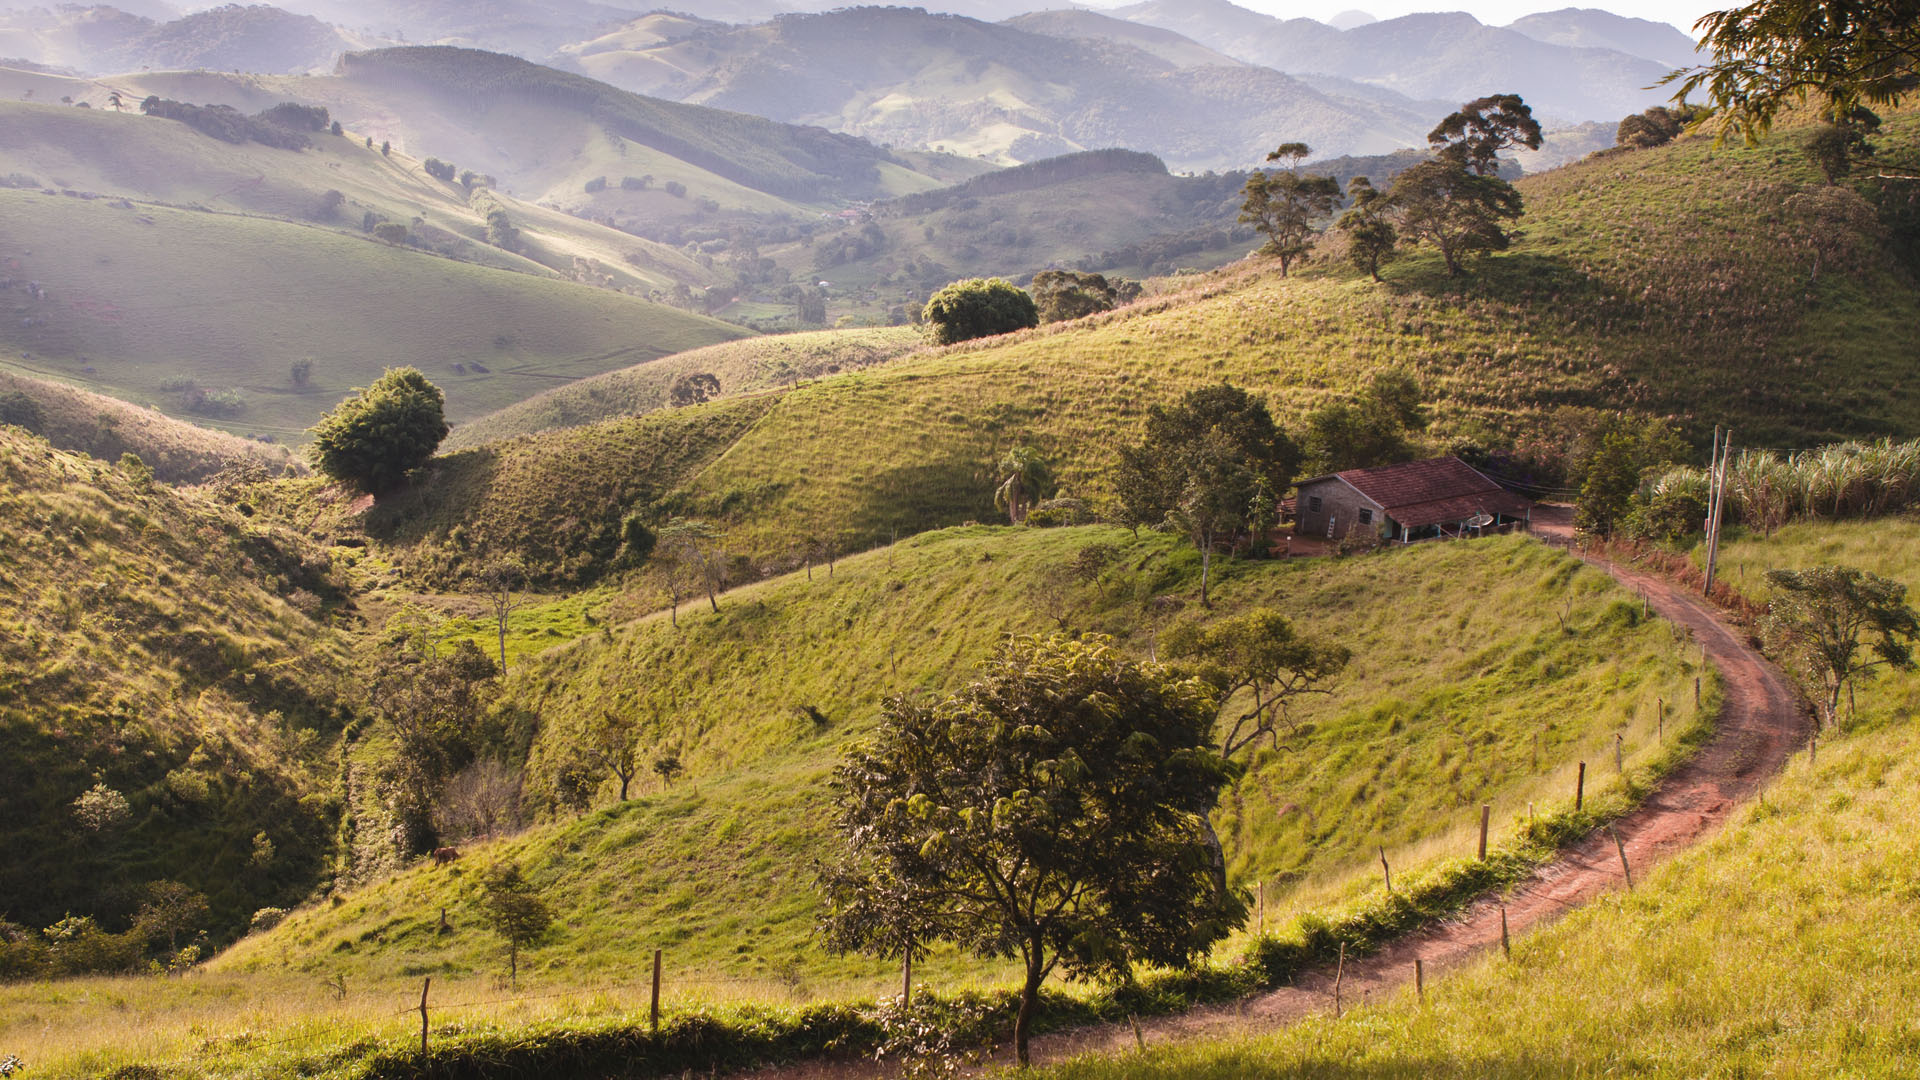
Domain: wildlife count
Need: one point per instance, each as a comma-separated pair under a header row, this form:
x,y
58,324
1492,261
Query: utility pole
x,y
1723,453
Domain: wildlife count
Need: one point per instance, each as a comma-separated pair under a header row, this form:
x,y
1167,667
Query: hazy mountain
x,y
1449,57
1590,28
906,77
1175,49
107,39
531,28
1347,20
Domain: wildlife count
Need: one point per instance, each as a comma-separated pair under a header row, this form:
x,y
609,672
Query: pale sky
x,y
1680,13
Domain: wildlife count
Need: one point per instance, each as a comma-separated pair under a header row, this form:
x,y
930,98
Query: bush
x,y
390,231
596,185
21,411
978,308
439,170
373,439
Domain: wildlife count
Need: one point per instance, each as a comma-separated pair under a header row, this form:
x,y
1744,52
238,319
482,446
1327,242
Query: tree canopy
x,y
1371,237
1770,55
374,438
1841,623
1286,206
1024,478
979,307
1051,812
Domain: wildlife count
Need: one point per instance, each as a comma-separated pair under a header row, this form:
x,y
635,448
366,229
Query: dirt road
x,y
1762,723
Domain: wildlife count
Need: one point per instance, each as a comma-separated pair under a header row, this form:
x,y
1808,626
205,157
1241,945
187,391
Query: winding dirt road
x,y
1762,723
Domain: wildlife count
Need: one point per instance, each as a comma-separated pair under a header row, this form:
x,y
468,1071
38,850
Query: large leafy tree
x,y
979,307
1051,812
1457,201
1287,206
1069,294
1371,237
514,911
374,438
1203,463
1842,623
1771,55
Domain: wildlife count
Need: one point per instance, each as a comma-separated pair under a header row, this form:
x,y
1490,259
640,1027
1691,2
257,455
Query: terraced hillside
x,y
1777,948
759,701
179,654
1616,298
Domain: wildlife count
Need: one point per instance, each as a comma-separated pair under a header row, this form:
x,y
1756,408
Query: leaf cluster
x,y
373,439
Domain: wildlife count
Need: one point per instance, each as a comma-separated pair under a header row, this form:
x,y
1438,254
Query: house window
x,y
1313,504
1366,516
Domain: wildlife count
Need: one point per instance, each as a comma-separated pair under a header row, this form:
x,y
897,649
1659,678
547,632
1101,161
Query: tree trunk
x,y
1206,567
625,779
1029,1001
503,641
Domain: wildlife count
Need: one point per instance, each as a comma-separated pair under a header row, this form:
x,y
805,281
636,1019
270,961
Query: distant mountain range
x,y
106,39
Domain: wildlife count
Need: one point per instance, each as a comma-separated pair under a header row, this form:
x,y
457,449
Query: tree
x,y
390,232
1371,237
1606,496
373,439
435,704
693,549
335,129
666,767
1201,466
1375,428
1842,623
171,909
301,371
1836,147
979,307
1657,126
21,410
114,101
101,809
514,911
1050,811
439,170
1257,664
693,389
1445,204
1060,295
1770,55
615,747
1474,136
1024,478
386,149
1285,206
497,582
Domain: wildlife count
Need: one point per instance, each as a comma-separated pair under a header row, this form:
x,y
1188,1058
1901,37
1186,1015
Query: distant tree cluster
x,y
1061,295
439,170
1455,200
283,126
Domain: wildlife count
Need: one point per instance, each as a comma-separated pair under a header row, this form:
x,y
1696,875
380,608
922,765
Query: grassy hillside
x,y
714,868
1778,948
146,302
180,654
105,428
741,366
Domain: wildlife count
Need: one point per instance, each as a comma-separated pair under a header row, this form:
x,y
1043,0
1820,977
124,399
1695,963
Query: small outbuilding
x,y
1414,500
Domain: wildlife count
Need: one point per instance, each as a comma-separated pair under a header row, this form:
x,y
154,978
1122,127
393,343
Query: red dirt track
x,y
1762,722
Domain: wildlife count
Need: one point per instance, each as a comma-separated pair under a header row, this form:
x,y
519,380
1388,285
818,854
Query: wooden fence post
x,y
1386,870
1580,789
1619,753
1625,870
1260,890
1506,944
1420,980
1696,691
1339,973
1660,731
655,1008
423,1015
1486,814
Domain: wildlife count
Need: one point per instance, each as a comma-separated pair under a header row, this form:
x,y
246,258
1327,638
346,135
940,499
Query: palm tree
x,y
1024,477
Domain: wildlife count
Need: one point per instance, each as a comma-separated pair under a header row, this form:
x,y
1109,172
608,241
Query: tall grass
x,y
1768,488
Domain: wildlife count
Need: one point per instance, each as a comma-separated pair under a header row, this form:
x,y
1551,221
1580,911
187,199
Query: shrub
x,y
979,307
439,170
21,411
373,439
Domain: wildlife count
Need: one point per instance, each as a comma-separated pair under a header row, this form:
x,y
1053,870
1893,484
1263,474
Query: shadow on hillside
x,y
924,495
413,513
1512,277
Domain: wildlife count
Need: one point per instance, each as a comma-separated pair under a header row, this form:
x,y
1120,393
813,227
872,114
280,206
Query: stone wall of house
x,y
1340,507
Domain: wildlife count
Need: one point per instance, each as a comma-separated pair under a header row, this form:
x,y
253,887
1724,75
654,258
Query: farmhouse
x,y
1414,500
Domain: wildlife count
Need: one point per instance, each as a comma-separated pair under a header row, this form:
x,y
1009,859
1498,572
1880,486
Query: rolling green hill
x,y
1423,728
1776,948
741,367
79,420
149,303
1676,282
180,654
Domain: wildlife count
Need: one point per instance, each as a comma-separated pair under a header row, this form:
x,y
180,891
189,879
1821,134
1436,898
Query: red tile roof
x,y
1445,489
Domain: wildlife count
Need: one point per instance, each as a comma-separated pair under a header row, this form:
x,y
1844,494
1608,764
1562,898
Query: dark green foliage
x,y
1606,497
373,439
392,232
20,410
1458,211
296,117
693,388
1286,206
434,703
1770,55
1473,137
1371,237
1841,623
1657,126
439,170
1025,478
228,124
979,307
1378,427
1836,147
1060,295
514,911
1048,812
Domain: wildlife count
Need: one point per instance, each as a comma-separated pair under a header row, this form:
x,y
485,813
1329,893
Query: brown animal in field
x,y
445,855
